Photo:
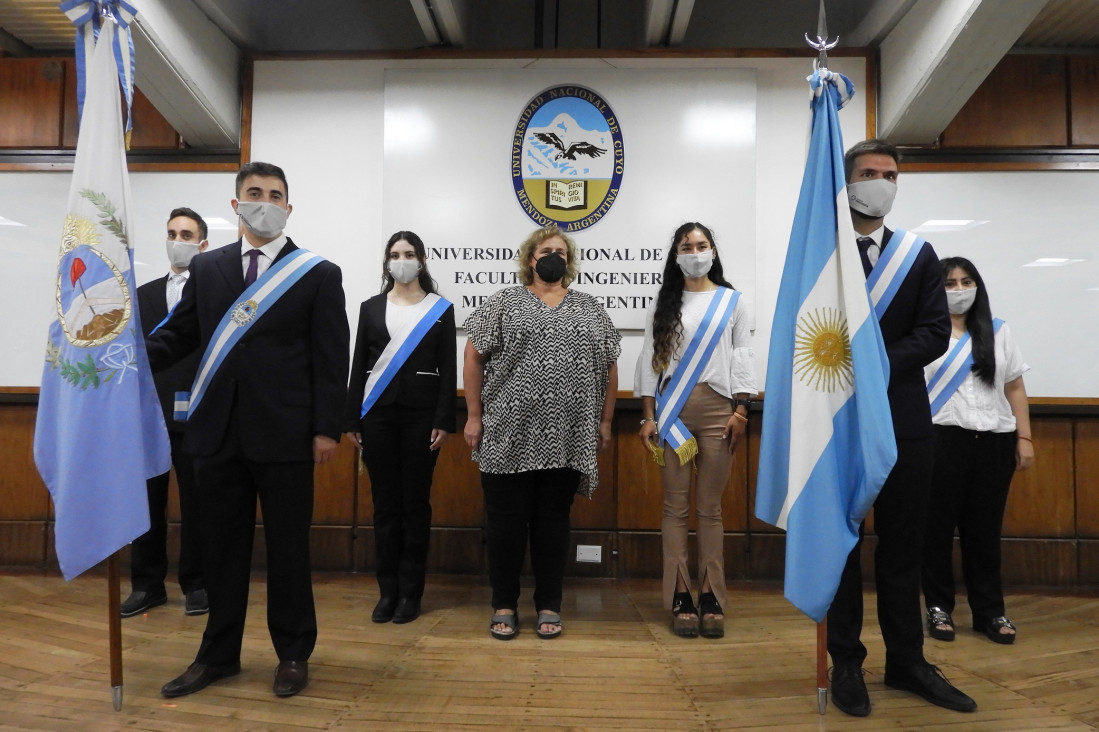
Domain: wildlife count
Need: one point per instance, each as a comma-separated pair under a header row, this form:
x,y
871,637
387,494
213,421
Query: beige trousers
x,y
704,415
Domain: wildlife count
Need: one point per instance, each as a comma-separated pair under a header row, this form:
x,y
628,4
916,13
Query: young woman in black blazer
x,y
409,417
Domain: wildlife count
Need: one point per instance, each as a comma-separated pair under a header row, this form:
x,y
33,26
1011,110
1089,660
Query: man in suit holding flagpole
x,y
187,233
265,406
906,289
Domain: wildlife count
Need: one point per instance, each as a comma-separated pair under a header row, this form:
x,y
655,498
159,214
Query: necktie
x,y
175,289
868,251
253,267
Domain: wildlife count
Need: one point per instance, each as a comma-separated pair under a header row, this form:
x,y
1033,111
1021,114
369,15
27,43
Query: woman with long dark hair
x,y
694,377
400,410
982,436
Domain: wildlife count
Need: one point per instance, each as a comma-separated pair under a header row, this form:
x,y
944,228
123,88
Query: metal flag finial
x,y
822,43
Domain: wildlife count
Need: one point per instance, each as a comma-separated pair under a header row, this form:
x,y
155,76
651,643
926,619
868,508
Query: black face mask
x,y
551,268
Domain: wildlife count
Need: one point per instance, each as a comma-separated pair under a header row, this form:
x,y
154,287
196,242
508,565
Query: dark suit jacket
x,y
916,331
284,381
427,380
153,305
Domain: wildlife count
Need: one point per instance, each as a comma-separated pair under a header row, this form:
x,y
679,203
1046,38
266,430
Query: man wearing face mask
x,y
905,283
266,406
148,553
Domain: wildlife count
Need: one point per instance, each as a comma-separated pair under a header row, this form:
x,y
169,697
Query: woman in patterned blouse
x,y
540,377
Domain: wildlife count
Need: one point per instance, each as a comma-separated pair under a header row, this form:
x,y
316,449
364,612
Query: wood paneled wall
x,y
1051,531
38,108
1031,101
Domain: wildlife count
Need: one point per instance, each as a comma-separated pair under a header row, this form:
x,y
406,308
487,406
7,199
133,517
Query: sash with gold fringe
x,y
671,399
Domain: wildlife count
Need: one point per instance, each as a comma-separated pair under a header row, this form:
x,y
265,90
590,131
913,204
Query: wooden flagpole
x,y
114,623
822,665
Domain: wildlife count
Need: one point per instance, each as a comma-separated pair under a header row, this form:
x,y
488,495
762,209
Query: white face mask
x,y
873,198
404,270
180,253
695,265
262,218
960,301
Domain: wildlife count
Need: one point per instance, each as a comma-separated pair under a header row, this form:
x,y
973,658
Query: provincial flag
x,y
100,431
827,444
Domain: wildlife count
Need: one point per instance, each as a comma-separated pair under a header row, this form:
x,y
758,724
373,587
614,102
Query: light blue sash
x,y
401,346
154,330
254,304
669,402
953,370
894,265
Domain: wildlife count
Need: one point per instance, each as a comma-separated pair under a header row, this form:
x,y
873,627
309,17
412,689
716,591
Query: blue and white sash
x,y
953,370
253,304
894,265
401,346
670,401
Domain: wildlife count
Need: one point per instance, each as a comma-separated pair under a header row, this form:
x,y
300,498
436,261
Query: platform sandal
x,y
682,604
710,627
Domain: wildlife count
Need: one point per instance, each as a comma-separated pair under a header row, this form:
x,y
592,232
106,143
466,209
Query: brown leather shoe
x,y
291,677
196,678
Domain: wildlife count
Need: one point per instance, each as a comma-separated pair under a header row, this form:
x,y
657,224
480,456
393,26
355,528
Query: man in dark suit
x,y
916,331
269,406
148,553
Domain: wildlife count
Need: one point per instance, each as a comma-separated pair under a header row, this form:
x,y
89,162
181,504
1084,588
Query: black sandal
x,y
710,627
991,629
937,616
682,604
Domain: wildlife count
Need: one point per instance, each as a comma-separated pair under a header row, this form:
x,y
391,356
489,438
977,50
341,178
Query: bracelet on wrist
x,y
738,414
1025,438
648,419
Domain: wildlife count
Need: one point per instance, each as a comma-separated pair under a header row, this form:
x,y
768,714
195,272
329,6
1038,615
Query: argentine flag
x,y
827,444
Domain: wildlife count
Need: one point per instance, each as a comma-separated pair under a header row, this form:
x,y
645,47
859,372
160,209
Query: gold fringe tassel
x,y
686,452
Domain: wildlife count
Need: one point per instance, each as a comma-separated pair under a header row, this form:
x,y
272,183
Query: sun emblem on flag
x,y
822,350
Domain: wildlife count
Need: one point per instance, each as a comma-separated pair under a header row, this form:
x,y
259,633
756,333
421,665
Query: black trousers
x,y
899,514
149,552
973,472
534,504
229,484
400,464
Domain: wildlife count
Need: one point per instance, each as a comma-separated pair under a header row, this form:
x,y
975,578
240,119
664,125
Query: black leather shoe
x,y
849,693
925,680
407,610
196,603
383,611
139,601
196,678
291,677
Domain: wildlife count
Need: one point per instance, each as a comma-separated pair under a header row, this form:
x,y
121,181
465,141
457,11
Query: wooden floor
x,y
616,667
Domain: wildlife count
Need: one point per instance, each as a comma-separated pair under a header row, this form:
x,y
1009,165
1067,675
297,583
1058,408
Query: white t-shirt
x,y
731,369
976,405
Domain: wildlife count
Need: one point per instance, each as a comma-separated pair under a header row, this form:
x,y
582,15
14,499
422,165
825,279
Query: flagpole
x,y
822,665
821,45
114,623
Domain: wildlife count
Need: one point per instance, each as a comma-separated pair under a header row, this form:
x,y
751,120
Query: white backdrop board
x,y
689,155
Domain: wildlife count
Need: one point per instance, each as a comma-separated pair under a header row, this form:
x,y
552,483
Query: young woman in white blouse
x,y
982,436
694,377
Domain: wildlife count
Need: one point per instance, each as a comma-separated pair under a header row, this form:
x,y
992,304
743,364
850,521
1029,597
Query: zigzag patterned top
x,y
545,381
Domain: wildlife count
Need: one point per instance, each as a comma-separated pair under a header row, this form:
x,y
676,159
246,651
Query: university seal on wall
x,y
567,158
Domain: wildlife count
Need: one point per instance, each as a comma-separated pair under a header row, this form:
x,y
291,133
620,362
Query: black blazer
x,y
916,331
153,306
427,380
284,381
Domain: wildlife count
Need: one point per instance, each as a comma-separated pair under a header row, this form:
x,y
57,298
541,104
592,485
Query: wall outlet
x,y
589,553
